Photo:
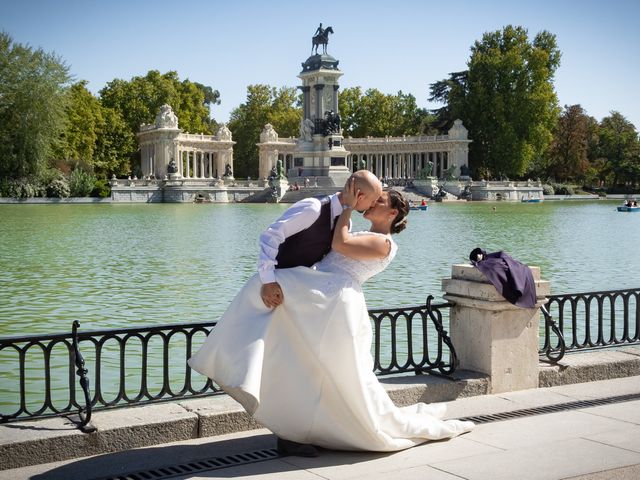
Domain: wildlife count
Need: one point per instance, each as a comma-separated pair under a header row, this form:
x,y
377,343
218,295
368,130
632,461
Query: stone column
x,y
319,89
210,164
201,173
491,335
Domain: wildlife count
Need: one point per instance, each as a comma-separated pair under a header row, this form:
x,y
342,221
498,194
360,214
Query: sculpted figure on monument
x,y
172,167
306,129
331,122
321,37
166,118
223,133
227,171
268,134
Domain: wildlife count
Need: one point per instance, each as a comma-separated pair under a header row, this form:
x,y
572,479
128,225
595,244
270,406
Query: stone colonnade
x,y
202,156
194,156
389,157
386,163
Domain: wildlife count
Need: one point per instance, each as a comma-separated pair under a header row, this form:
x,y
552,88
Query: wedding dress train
x,y
304,369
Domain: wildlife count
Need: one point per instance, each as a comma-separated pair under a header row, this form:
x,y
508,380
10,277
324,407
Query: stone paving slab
x,y
605,388
346,465
533,430
617,411
625,473
542,461
627,438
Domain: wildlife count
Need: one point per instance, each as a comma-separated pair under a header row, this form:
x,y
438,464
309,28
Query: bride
x,y
304,369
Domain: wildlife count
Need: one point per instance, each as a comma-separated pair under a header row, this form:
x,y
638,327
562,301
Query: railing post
x,y
491,335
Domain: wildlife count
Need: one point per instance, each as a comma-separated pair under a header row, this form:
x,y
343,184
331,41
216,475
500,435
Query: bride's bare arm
x,y
361,247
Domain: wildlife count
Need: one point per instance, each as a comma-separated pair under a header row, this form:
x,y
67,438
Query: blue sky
x,y
389,45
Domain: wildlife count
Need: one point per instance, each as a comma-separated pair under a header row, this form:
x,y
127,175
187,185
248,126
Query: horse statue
x,y
321,39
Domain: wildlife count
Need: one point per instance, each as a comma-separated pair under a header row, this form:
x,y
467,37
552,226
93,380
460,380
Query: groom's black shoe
x,y
287,448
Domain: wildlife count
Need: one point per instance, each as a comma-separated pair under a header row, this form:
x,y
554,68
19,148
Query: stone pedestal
x,y
491,335
426,186
280,185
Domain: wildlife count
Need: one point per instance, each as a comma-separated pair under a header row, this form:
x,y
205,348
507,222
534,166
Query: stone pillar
x,y
318,93
210,165
491,335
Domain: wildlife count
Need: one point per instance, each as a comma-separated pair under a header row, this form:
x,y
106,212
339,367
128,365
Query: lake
x,y
125,265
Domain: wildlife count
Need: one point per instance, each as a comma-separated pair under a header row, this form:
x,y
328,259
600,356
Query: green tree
x,y
115,144
84,120
569,149
139,100
33,85
508,102
265,104
452,93
620,146
377,114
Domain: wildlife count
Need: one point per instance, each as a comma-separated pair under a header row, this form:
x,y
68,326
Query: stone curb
x,y
55,439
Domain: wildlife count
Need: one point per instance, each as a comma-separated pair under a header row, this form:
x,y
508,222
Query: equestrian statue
x,y
321,37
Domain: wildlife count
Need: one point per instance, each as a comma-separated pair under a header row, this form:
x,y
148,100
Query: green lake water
x,y
127,265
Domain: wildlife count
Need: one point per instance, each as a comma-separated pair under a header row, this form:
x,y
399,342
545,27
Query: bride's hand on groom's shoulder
x,y
271,294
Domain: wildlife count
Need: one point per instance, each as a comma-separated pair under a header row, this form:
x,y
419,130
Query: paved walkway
x,y
594,442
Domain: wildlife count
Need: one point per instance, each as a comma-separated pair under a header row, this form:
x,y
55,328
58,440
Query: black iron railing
x,y
148,364
591,320
411,347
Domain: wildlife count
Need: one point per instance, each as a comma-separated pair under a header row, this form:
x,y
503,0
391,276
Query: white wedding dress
x,y
304,369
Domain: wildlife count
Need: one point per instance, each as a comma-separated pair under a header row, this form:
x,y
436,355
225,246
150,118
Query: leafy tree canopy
x,y
139,100
620,146
506,99
264,104
33,85
377,114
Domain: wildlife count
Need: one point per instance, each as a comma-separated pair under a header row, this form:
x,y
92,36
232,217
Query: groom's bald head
x,y
369,186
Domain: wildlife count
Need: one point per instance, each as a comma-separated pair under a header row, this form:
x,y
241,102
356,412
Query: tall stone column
x,y
491,335
319,99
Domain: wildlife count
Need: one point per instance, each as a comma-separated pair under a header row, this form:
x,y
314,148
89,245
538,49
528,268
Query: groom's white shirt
x,y
300,216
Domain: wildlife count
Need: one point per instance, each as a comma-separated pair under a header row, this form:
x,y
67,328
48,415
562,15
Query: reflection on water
x,y
112,266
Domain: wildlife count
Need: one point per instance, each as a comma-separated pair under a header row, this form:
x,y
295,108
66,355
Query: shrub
x,y
101,188
20,188
548,189
563,189
81,183
58,188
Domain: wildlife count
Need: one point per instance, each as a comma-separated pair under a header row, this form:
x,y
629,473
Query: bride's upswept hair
x,y
398,202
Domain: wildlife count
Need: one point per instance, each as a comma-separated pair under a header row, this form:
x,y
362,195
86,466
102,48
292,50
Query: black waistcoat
x,y
308,246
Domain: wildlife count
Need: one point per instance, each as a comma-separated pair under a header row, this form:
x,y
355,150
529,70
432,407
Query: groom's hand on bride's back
x,y
271,294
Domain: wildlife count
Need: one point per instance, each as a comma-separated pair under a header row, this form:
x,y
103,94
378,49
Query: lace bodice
x,y
359,270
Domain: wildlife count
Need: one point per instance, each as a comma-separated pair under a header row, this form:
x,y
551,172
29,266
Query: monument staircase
x,y
325,186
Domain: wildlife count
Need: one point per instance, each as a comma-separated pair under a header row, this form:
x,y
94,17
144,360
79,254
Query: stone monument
x,y
319,150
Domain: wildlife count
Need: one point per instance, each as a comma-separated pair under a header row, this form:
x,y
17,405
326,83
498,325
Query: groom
x,y
303,234
301,237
